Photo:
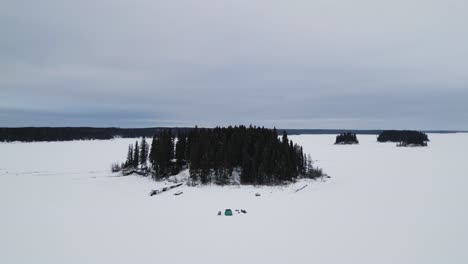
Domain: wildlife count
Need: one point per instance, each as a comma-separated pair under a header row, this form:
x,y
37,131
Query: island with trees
x,y
346,138
404,138
221,155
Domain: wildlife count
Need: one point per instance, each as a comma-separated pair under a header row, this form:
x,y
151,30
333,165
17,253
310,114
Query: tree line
x,y
30,134
250,155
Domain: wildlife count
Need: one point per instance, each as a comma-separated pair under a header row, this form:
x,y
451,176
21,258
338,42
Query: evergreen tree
x,y
153,156
180,151
129,162
162,154
136,155
144,152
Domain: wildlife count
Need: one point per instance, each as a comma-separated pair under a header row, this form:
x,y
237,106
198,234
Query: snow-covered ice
x,y
59,203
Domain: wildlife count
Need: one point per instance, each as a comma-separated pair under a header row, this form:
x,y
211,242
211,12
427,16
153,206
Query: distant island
x,y
404,138
223,155
346,138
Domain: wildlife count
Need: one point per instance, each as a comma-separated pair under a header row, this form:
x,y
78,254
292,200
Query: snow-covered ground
x,y
384,204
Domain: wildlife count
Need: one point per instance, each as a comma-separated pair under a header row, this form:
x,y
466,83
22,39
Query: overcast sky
x,y
292,64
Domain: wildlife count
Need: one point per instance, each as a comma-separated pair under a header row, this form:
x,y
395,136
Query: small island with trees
x,y
346,138
221,155
404,138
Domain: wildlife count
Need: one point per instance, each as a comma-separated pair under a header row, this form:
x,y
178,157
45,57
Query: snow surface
x,y
59,203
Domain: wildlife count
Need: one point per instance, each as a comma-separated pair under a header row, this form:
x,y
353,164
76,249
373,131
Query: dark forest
x,y
404,137
257,155
346,138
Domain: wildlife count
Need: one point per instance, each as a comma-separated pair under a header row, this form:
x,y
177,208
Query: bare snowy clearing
x,y
383,204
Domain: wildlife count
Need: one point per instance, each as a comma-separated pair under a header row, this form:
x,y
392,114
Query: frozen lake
x,y
384,204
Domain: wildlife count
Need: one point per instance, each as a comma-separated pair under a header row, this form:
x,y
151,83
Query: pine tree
x,y
129,162
162,154
144,153
136,155
180,151
153,156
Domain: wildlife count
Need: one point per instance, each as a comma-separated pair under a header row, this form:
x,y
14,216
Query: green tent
x,y
228,212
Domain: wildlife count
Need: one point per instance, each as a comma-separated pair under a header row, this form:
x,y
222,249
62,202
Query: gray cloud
x,y
307,64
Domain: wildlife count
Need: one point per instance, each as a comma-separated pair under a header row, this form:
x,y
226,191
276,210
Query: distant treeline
x,y
346,138
30,134
330,131
404,137
257,155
